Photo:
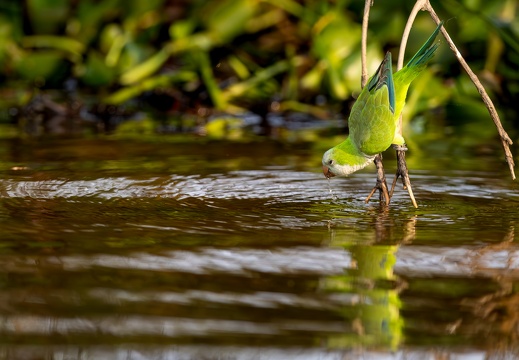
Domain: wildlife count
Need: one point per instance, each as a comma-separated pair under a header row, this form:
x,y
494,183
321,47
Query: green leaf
x,y
39,65
145,69
56,42
163,80
96,72
206,71
226,19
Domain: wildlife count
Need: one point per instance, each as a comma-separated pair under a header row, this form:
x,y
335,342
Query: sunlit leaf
x,y
146,68
239,67
181,29
55,42
227,18
259,77
151,83
335,40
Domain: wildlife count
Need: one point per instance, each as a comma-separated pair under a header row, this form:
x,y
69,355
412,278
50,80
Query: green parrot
x,y
374,116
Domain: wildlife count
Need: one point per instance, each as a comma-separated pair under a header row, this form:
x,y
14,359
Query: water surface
x,y
203,249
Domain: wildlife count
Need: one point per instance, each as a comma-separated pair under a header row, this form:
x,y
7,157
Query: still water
x,y
223,250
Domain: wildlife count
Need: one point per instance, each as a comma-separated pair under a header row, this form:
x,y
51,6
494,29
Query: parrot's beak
x,y
327,172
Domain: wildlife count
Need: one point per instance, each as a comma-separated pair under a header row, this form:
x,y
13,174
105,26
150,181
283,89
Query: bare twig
x,y
400,150
505,139
419,5
381,184
364,42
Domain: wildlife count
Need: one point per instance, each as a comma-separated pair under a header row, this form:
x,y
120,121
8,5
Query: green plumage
x,y
374,116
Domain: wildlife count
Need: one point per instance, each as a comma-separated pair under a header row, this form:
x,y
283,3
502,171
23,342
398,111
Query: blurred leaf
x,y
313,78
198,41
182,28
226,19
108,35
335,37
47,16
296,106
163,80
241,88
239,67
39,65
96,72
5,39
290,6
225,128
264,21
56,42
91,14
113,40
139,7
145,69
132,55
144,126
334,41
206,72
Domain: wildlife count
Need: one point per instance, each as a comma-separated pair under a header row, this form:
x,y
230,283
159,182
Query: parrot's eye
x,y
330,162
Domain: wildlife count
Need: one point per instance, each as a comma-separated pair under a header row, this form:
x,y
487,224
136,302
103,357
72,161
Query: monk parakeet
x,y
374,116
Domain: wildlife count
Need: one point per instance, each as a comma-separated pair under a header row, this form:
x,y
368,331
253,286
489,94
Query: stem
x,y
419,5
381,184
400,150
363,57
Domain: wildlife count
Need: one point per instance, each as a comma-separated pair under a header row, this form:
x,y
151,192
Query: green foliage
x,y
39,66
234,54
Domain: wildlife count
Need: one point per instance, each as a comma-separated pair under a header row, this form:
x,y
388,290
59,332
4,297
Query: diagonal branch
x,y
505,139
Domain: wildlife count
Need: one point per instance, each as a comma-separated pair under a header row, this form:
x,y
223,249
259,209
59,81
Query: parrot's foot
x,y
381,185
402,172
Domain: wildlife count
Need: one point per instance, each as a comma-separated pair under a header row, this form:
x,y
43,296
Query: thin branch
x,y
505,139
381,184
419,5
400,150
363,57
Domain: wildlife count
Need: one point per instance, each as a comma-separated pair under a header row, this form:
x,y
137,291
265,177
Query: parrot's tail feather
x,y
426,52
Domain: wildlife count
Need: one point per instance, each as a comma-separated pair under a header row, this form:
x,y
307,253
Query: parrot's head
x,y
337,162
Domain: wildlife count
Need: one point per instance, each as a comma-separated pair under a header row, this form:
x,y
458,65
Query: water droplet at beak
x,y
327,172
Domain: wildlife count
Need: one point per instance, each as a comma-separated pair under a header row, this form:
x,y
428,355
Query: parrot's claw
x,y
400,147
402,172
381,184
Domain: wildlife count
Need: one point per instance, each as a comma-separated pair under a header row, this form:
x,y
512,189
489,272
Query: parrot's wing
x,y
384,77
371,123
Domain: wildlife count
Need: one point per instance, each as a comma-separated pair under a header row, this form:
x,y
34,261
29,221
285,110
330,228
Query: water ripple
x,y
412,260
298,260
279,186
